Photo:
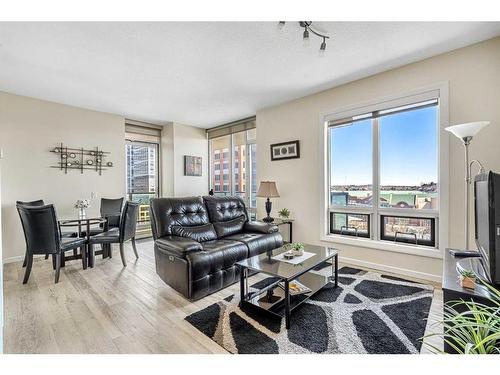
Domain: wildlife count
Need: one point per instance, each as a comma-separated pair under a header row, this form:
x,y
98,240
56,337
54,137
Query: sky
x,y
408,150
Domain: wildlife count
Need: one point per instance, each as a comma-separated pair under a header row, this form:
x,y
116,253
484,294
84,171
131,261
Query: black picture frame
x,y
292,150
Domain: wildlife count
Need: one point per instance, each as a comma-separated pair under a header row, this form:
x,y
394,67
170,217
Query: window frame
x,y
438,91
347,233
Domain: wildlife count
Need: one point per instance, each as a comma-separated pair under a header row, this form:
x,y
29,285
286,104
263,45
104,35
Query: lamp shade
x,y
469,129
267,189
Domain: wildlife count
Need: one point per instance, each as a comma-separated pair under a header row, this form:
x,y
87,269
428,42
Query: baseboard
x,y
399,271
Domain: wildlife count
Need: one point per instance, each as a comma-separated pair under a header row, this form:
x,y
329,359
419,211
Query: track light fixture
x,y
305,35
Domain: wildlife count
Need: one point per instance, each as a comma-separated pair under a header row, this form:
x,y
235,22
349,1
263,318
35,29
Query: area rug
x,y
366,313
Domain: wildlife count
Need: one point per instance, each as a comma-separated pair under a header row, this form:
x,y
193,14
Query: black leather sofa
x,y
198,240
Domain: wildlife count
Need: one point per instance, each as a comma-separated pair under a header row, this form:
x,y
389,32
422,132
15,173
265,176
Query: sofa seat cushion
x,y
178,246
258,243
227,228
215,256
199,233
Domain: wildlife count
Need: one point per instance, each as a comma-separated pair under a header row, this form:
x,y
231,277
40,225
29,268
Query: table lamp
x,y
267,189
466,132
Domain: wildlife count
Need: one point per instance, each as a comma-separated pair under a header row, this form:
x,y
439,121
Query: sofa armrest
x,y
260,227
178,246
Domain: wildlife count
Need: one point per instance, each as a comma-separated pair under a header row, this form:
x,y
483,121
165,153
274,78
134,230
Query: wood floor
x,y
107,309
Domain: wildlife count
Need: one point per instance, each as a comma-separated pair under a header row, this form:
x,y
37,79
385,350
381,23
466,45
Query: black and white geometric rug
x,y
366,313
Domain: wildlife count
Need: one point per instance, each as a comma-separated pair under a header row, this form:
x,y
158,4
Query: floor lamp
x,y
466,132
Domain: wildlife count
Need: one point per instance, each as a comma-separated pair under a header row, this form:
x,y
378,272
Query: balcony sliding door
x,y
143,178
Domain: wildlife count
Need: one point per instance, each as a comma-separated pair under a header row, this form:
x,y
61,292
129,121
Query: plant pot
x,y
298,253
468,282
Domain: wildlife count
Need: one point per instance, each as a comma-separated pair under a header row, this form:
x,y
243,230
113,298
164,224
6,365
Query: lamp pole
x,y
468,183
465,132
466,141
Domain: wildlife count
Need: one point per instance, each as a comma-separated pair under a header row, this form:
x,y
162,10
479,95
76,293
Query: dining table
x,y
84,226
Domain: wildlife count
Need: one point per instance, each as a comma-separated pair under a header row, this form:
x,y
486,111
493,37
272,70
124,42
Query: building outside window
x,y
384,184
240,138
142,150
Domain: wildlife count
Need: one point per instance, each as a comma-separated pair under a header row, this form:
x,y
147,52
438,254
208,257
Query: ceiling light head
x,y
323,45
305,35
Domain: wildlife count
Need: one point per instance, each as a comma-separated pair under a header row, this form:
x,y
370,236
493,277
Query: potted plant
x,y
296,248
467,279
284,213
471,327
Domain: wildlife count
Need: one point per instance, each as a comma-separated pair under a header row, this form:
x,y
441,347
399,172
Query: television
x,y
487,223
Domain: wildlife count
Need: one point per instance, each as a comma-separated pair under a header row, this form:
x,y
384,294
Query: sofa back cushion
x,y
200,233
227,228
168,212
221,209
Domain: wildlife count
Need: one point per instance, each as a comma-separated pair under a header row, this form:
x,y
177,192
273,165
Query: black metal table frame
x,y
79,223
245,295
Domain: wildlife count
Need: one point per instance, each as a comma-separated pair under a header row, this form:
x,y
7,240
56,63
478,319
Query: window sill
x,y
384,246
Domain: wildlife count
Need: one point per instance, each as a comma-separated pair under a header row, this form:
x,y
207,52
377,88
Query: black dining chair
x,y
125,232
43,236
111,209
38,202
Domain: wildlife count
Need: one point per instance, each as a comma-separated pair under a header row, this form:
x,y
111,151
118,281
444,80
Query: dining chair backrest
x,y
113,209
128,221
38,202
40,229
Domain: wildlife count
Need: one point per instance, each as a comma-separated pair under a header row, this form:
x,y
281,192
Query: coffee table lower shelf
x,y
272,298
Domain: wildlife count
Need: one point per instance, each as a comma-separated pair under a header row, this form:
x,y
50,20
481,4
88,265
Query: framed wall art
x,y
192,165
285,150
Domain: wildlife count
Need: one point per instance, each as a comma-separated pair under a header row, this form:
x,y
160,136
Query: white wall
x,y
473,74
189,141
179,140
29,128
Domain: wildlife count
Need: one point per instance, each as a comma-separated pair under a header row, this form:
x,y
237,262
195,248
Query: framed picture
x,y
285,150
192,165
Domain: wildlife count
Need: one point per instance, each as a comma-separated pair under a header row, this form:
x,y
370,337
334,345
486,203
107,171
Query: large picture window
x,y
230,156
383,173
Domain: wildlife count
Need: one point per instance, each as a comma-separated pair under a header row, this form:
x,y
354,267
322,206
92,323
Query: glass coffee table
x,y
277,298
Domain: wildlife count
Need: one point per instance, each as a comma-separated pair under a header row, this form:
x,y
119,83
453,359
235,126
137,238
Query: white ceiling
x,y
207,73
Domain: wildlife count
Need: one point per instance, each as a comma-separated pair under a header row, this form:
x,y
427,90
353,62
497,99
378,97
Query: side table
x,y
288,222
